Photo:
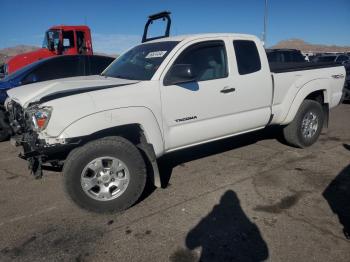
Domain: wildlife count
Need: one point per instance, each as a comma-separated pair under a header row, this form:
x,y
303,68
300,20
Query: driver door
x,y
198,111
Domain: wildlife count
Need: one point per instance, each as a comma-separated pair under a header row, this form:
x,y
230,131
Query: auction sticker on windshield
x,y
156,54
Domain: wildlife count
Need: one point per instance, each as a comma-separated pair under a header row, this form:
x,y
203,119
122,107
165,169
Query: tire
x,y
346,96
296,134
76,170
5,130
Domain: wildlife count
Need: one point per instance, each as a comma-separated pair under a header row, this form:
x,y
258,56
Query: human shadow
x,y
227,234
168,162
337,195
346,146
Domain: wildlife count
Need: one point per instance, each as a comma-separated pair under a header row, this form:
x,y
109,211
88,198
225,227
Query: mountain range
x,y
307,47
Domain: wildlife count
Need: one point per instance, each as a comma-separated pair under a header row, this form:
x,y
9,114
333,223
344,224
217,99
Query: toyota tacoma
x,y
164,95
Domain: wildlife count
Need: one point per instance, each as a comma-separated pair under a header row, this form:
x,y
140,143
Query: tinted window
x,y
294,56
98,63
208,60
81,43
68,39
141,62
55,68
342,58
274,57
247,55
326,59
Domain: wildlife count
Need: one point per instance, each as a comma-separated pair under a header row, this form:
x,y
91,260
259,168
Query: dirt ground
x,y
248,198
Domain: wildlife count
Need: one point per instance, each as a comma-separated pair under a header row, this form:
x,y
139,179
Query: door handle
x,y
228,90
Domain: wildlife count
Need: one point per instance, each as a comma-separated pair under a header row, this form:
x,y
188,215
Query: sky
x,y
118,25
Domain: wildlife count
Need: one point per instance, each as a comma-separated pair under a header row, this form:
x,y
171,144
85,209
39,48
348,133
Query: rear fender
x,y
310,87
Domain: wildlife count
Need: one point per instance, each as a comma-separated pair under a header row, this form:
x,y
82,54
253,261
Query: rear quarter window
x,y
247,56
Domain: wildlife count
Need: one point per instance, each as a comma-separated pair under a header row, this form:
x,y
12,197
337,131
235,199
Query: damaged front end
x,y
27,125
26,135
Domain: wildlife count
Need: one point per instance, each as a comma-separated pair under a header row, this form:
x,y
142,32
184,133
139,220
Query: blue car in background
x,y
48,69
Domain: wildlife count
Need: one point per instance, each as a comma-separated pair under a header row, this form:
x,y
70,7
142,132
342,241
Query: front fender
x,y
118,117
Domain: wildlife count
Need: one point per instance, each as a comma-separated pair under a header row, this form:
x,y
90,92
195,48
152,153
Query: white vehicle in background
x,y
164,95
335,58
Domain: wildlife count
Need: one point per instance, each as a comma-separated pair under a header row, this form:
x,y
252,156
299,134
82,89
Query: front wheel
x,y
105,175
307,125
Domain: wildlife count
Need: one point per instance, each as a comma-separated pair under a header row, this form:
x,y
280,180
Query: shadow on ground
x,y
168,162
338,196
225,234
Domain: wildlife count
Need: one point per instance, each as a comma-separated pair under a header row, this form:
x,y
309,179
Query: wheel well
x,y
316,96
131,132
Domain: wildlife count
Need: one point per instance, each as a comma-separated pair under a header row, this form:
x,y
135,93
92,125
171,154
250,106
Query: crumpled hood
x,y
35,92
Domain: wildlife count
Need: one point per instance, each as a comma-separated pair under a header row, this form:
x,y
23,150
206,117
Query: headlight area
x,y
40,117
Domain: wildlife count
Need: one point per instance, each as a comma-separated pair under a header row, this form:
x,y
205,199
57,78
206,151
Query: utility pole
x,y
265,22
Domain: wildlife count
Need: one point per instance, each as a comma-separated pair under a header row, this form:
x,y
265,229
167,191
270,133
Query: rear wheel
x,y
346,95
307,125
5,130
106,175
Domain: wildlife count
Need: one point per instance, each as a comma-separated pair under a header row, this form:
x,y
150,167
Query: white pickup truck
x,y
161,96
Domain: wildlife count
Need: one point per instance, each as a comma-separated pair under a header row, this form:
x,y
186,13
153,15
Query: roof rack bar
x,y
165,15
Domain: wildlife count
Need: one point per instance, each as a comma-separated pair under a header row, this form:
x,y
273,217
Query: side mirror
x,y
179,74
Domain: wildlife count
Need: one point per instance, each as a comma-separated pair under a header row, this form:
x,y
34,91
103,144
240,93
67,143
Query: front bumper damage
x,y
35,150
38,153
31,152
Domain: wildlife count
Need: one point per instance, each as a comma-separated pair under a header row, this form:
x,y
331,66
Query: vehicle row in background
x,y
327,57
282,56
58,40
294,55
49,69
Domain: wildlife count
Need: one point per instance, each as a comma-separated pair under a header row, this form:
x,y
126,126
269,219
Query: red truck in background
x,y
58,40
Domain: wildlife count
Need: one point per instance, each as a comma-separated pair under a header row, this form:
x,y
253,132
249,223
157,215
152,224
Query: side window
x,y
275,57
81,43
98,64
208,60
60,67
68,39
247,55
342,58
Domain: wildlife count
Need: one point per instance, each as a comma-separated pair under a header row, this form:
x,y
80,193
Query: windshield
x,y
326,59
141,62
52,36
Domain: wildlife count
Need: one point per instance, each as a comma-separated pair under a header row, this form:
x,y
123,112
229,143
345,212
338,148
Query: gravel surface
x,y
248,198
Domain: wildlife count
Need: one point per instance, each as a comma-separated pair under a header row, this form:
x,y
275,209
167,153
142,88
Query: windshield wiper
x,y
119,76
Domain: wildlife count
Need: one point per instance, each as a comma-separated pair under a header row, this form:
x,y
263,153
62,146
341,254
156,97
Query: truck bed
x,y
277,67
